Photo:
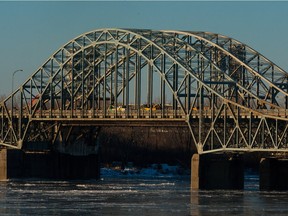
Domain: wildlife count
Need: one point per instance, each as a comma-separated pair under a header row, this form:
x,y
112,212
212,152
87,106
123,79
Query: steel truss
x,y
231,97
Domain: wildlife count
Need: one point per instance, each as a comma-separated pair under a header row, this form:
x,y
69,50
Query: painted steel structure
x,y
230,96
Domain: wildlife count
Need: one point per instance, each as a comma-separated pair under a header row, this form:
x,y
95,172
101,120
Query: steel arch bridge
x,y
229,96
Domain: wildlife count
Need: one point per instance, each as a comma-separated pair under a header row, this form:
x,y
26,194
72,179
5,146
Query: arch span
x,y
230,96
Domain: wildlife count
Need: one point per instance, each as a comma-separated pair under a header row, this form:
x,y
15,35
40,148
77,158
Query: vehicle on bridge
x,y
154,107
113,109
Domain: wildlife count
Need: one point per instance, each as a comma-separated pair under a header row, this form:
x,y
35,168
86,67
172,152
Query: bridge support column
x,y
195,171
217,172
3,164
273,174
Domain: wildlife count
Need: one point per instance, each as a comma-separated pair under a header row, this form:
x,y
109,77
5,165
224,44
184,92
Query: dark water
x,y
122,195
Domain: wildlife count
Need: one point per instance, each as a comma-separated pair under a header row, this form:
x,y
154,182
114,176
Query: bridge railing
x,y
99,114
134,114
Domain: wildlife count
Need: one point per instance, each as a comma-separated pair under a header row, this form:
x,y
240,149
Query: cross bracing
x,y
230,96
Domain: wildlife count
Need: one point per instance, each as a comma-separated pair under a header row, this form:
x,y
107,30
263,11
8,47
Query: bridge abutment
x,y
273,174
49,165
217,172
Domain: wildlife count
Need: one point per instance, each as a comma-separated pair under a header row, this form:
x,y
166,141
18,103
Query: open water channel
x,y
136,194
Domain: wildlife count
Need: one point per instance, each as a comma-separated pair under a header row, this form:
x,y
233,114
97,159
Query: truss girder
x,y
231,97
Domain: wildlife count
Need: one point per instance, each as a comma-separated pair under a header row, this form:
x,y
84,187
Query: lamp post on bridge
x,y
12,100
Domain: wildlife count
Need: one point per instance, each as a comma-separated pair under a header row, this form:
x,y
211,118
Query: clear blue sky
x,y
32,31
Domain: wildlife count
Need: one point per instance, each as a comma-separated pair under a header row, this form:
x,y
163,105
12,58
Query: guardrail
x,y
134,114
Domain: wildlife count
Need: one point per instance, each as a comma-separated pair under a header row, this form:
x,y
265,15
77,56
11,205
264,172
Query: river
x,y
133,194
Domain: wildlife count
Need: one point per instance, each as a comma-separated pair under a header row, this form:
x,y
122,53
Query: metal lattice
x,y
230,96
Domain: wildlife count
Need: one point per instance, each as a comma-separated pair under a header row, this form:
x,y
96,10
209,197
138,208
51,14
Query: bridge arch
x,y
230,96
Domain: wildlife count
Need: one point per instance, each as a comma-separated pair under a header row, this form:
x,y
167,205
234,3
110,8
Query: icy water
x,y
135,195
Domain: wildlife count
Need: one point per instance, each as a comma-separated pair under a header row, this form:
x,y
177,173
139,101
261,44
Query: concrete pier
x,y
273,174
3,164
217,172
47,165
195,171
